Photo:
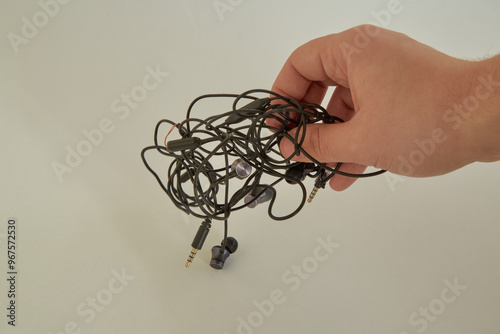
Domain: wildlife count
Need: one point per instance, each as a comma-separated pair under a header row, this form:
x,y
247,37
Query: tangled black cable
x,y
240,144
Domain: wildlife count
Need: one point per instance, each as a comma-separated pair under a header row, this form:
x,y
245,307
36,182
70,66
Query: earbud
x,y
241,168
298,172
265,195
219,255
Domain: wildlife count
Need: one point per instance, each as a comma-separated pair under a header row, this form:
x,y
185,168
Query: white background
x,y
399,241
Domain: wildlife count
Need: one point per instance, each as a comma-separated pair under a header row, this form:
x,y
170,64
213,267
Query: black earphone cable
x,y
194,178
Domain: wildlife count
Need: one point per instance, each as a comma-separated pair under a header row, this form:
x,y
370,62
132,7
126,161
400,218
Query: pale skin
x,y
394,92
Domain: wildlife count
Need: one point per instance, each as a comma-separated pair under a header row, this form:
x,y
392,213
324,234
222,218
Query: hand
x,y
408,108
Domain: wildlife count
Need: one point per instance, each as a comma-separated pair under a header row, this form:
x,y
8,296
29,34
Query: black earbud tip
x,y
231,245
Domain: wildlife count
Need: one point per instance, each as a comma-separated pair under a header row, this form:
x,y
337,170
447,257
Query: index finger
x,y
313,67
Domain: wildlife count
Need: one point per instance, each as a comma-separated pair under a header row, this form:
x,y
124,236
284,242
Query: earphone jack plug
x,y
320,182
313,193
198,240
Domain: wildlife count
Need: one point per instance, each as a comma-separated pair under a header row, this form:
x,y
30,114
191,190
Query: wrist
x,y
485,120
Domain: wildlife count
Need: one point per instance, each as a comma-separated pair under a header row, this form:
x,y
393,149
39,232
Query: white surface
x,y
397,246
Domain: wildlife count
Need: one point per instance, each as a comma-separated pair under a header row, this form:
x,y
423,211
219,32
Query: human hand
x,y
409,109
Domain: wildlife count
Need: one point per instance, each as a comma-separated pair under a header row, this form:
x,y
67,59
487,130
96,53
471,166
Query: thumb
x,y
326,143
